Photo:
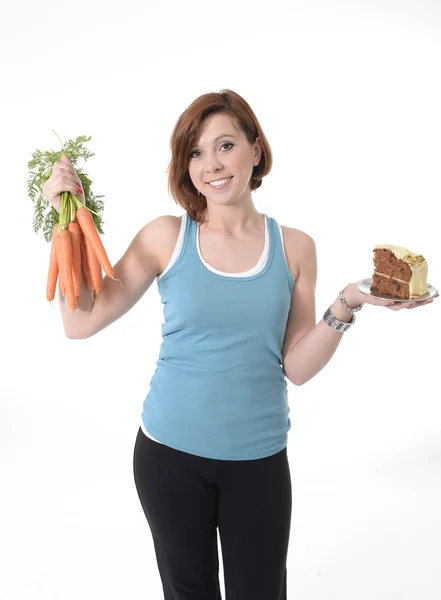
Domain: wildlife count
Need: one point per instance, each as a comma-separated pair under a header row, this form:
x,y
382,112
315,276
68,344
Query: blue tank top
x,y
219,390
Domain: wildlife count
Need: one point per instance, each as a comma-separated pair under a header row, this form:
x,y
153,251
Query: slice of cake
x,y
398,273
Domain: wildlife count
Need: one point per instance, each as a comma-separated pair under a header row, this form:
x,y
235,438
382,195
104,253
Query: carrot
x,y
84,263
65,238
53,267
60,268
94,266
74,229
85,220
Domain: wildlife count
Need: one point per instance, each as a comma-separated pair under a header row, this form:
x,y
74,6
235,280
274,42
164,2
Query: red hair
x,y
184,137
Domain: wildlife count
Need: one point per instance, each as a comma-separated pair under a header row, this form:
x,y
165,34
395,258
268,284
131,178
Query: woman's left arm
x,y
308,347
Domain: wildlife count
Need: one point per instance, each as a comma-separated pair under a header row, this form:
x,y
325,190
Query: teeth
x,y
219,182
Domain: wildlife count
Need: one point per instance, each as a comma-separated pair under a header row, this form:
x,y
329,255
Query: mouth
x,y
219,183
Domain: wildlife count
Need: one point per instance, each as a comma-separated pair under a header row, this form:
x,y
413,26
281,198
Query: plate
x,y
364,287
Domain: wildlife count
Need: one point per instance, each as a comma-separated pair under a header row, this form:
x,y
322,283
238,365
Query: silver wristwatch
x,y
335,323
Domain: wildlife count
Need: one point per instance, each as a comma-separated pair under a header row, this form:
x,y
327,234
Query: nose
x,y
212,163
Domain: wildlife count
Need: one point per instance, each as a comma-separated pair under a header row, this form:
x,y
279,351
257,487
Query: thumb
x,y
65,159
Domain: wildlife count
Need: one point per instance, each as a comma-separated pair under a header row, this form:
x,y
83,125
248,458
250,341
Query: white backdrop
x,y
349,96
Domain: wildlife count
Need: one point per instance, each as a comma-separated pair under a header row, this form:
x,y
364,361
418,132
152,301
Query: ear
x,y
257,152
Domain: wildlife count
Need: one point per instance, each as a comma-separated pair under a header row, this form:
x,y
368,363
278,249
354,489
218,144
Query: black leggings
x,y
185,498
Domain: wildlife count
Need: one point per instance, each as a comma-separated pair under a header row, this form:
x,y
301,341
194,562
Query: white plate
x,y
365,288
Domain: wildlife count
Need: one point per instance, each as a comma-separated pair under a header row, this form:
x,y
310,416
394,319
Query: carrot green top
x,y
40,169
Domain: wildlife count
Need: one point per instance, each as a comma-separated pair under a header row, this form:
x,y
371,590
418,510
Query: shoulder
x,y
297,236
300,249
161,235
166,224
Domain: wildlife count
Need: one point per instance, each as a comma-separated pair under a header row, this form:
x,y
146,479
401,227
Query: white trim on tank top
x,y
256,269
253,271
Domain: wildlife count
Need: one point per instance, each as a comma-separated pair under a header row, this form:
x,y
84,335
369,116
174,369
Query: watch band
x,y
335,323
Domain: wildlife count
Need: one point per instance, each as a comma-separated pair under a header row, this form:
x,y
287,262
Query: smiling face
x,y
222,151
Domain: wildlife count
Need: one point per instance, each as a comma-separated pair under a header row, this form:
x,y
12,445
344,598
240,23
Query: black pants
x,y
185,499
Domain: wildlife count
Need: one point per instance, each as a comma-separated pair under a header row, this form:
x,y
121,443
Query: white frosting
x,y
399,251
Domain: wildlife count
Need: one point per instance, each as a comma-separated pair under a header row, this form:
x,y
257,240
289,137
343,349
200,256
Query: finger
x,y
409,305
419,304
66,169
379,301
67,178
424,303
412,304
399,306
67,183
76,188
65,164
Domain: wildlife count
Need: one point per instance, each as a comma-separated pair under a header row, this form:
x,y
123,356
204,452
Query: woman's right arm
x,y
136,270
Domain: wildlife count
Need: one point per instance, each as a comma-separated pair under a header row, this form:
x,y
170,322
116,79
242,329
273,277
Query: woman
x,y
239,305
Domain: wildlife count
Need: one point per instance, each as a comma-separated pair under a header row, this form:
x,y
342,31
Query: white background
x,y
349,96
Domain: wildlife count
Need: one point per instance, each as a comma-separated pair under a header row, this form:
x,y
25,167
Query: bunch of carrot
x,y
76,247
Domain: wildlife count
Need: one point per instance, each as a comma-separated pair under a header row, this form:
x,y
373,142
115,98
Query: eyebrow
x,y
223,135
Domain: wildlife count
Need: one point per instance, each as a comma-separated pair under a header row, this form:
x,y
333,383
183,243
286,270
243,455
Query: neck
x,y
231,219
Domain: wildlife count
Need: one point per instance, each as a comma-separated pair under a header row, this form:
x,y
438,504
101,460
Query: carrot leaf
x,y
40,169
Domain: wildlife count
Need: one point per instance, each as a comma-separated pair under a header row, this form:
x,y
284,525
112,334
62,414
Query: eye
x,y
224,144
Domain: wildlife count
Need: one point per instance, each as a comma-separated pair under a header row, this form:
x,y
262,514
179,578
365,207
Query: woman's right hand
x,y
63,179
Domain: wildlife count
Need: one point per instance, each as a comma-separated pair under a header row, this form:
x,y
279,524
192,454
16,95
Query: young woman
x,y
239,303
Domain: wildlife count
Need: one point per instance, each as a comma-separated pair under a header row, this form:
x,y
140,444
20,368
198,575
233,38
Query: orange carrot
x,y
74,229
60,268
65,238
84,263
94,266
85,220
53,267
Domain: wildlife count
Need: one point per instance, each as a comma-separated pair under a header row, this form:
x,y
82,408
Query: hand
x,y
354,297
62,179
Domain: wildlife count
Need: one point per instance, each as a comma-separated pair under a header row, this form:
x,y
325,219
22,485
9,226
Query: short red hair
x,y
184,137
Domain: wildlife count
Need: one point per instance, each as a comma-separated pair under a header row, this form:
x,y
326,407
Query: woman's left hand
x,y
354,297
